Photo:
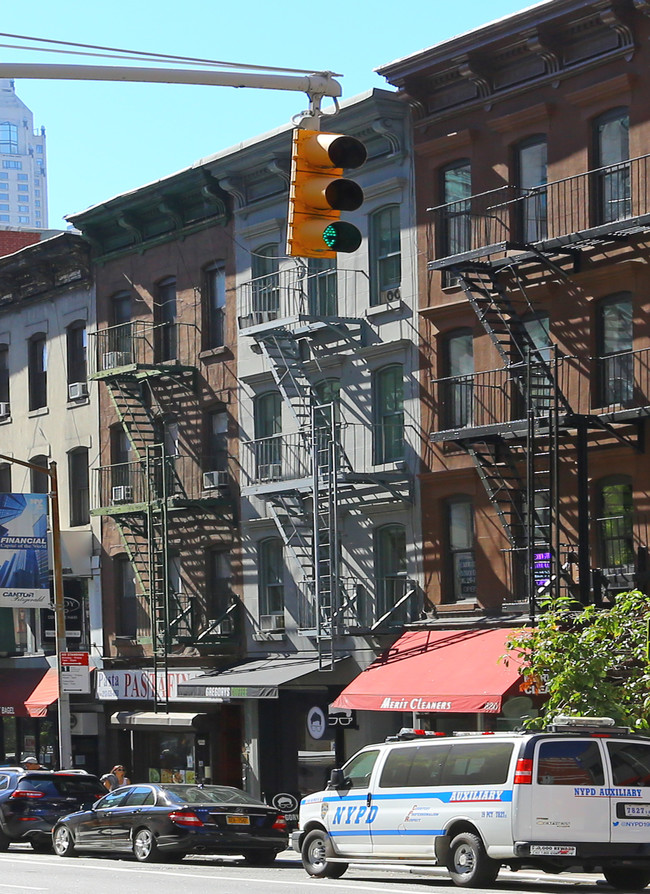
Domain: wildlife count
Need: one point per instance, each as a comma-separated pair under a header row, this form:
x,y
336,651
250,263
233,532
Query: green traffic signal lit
x,y
341,236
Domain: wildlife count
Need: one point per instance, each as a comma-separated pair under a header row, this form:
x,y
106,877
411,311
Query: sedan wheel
x,y
145,847
63,842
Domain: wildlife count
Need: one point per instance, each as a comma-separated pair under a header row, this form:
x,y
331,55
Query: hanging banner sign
x,y
75,672
24,563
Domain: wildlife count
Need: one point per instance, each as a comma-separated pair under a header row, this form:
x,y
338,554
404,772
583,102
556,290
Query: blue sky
x,y
107,138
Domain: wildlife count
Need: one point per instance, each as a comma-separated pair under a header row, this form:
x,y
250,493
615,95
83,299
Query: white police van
x,y
576,796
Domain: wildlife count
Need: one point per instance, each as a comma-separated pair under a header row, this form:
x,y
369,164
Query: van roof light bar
x,y
581,722
408,733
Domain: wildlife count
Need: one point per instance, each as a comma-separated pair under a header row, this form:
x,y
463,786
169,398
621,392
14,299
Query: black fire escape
x,y
518,421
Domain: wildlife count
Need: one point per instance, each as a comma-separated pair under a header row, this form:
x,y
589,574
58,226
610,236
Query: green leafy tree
x,y
591,662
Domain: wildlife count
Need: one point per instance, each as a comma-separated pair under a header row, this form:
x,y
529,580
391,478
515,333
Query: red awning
x,y
27,692
451,671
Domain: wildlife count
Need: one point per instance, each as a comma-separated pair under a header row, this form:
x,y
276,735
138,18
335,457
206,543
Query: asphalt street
x,y
24,872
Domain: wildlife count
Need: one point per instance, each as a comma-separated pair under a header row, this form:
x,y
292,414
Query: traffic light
x,y
319,193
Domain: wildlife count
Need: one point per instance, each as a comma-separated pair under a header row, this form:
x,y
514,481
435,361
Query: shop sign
x,y
316,723
75,672
139,684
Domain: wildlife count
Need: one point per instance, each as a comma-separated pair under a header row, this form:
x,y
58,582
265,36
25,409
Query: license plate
x,y
552,850
636,810
238,820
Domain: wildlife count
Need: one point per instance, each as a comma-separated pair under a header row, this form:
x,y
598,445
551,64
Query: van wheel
x,y
468,864
626,878
314,856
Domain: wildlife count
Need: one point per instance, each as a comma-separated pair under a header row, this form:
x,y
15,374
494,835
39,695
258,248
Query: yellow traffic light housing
x,y
319,193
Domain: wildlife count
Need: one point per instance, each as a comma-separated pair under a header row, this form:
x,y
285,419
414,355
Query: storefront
x,y
185,744
29,725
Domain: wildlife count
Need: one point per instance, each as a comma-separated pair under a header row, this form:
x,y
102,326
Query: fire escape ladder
x,y
288,512
128,399
326,546
282,352
503,484
159,602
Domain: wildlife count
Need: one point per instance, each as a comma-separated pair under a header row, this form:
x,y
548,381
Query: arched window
x,y
265,285
76,357
615,340
40,481
612,184
388,404
270,566
214,305
531,176
385,255
615,523
459,513
78,486
268,439
454,223
37,371
390,569
458,370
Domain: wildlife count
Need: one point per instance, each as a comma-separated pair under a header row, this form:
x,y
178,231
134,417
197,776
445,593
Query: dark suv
x,y
31,801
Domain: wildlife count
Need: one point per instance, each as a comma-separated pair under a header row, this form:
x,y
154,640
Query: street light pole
x,y
65,732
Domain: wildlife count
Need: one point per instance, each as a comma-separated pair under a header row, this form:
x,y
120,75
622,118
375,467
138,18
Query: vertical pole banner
x,y
24,562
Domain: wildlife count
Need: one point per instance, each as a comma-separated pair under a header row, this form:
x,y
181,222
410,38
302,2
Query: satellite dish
x,y
518,706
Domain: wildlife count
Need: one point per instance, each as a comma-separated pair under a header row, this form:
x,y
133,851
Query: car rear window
x,y
65,786
570,762
208,794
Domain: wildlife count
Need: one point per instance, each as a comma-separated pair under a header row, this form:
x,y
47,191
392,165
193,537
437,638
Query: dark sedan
x,y
155,821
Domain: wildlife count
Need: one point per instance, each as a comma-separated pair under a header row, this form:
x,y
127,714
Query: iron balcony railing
x,y
385,603
588,200
383,447
177,477
295,292
142,343
614,384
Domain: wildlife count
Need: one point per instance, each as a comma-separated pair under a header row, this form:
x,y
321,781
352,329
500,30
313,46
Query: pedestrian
x,y
31,763
115,778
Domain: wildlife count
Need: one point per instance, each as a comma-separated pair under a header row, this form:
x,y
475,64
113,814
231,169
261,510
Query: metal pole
x,y
65,733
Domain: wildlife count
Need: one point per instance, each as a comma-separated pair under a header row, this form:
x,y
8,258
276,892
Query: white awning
x,y
153,719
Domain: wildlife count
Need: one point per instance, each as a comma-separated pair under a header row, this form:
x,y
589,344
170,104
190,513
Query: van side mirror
x,y
337,779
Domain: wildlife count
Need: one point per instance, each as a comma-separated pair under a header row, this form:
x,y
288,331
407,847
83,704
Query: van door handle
x,y
368,799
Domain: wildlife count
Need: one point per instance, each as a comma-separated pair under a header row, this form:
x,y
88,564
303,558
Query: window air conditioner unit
x,y
77,390
115,359
214,480
122,494
387,296
271,623
5,409
270,471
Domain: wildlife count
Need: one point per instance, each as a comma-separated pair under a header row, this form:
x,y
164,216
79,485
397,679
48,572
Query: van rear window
x,y
630,762
569,762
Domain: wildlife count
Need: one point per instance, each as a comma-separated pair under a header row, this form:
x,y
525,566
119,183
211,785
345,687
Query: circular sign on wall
x,y
316,723
285,802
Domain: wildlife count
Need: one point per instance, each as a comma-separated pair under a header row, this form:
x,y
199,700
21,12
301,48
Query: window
x,y
630,763
39,481
460,541
616,523
119,338
167,319
358,770
456,229
539,348
37,372
8,138
23,219
78,486
458,387
219,574
390,570
4,374
388,393
265,285
5,478
16,165
612,179
23,208
570,762
125,598
22,177
268,425
4,207
322,287
120,460
76,350
413,766
385,256
4,217
477,764
270,564
614,331
216,441
214,305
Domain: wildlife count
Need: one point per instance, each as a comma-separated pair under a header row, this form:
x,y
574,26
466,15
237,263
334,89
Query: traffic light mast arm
x,y
316,85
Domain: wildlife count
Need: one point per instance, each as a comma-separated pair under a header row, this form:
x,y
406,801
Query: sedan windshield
x,y
208,794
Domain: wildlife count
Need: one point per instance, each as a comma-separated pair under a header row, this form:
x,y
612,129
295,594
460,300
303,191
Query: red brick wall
x,y
14,240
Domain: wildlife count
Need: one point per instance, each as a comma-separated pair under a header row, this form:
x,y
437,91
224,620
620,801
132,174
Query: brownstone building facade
x,y
531,138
